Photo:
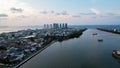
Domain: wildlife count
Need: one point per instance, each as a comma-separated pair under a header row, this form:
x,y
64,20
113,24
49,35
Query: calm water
x,y
82,52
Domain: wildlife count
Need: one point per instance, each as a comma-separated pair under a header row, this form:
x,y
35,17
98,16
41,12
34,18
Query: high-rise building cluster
x,y
56,26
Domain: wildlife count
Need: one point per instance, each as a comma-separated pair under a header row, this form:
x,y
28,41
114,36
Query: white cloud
x,y
44,12
6,5
3,15
17,6
97,12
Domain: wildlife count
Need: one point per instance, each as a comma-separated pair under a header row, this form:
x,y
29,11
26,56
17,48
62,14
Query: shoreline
x,y
33,55
114,31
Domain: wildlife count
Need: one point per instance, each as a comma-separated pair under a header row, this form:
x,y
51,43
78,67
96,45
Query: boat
x,y
94,33
116,54
100,40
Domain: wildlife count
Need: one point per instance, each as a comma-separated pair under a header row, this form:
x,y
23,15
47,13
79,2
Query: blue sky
x,y
73,12
75,5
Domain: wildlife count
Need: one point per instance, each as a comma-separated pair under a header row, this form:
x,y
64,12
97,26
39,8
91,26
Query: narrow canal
x,y
82,52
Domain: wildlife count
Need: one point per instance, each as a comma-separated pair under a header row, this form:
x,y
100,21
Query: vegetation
x,y
7,62
109,30
3,48
74,34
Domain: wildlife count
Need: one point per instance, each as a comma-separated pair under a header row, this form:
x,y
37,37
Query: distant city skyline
x,y
73,12
56,26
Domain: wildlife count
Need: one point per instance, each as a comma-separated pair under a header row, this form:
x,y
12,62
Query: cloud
x,y
22,16
111,14
58,14
76,16
103,16
87,13
16,10
3,15
62,13
52,11
97,12
94,17
44,12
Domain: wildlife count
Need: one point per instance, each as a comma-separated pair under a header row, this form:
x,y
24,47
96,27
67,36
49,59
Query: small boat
x,y
94,33
100,40
116,54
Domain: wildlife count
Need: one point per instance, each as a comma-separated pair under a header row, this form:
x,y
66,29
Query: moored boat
x,y
116,54
94,33
100,40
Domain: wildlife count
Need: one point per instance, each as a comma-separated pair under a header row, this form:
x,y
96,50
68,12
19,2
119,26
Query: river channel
x,y
83,52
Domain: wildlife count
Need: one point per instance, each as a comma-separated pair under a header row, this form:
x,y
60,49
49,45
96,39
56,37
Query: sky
x,y
73,12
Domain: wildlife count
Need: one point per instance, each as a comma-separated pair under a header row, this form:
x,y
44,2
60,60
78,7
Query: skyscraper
x,y
66,26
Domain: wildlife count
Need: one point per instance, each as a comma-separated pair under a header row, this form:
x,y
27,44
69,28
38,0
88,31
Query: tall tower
x,y
54,25
51,26
47,26
66,26
44,26
63,26
60,25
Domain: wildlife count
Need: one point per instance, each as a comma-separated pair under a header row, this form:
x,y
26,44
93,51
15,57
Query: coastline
x,y
33,55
